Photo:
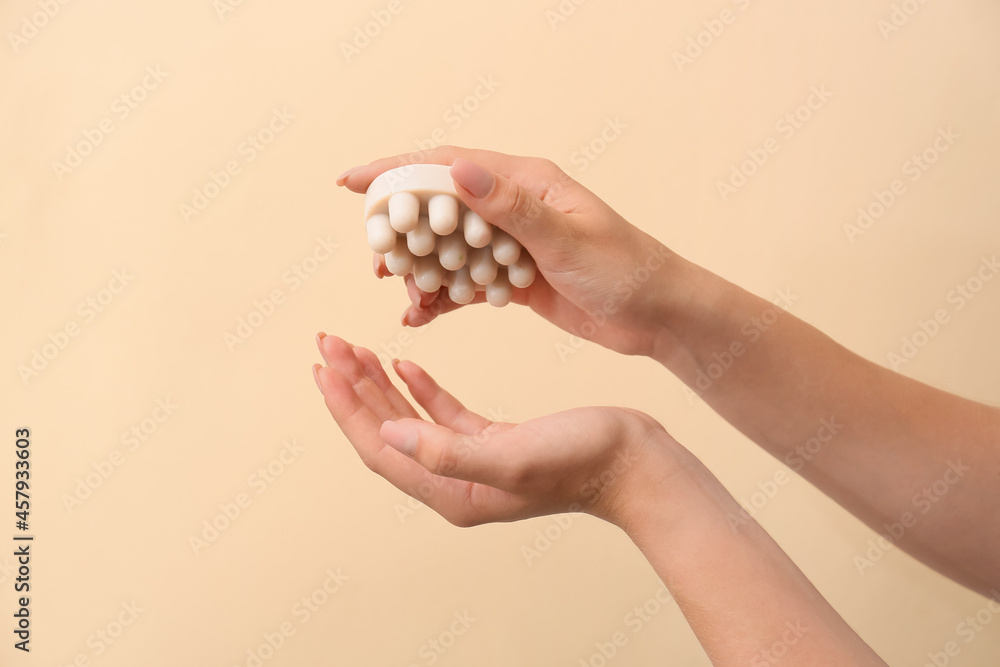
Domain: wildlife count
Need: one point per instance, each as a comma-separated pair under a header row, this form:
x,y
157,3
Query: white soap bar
x,y
498,292
522,272
404,210
428,273
506,249
461,287
414,216
478,232
443,213
482,266
381,236
399,260
452,251
421,239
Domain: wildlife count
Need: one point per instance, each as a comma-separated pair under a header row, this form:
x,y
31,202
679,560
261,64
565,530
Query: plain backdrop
x,y
168,171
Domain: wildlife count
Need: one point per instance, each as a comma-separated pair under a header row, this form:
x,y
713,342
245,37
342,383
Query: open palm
x,y
472,470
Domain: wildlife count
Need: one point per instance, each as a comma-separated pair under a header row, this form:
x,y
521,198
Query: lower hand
x,y
599,460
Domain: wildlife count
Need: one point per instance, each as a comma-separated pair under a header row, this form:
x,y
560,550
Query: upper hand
x,y
599,277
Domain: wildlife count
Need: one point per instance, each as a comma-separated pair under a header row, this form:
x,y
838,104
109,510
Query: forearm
x,y
746,601
888,448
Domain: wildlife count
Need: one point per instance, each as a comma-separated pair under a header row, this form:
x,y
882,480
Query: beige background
x,y
162,336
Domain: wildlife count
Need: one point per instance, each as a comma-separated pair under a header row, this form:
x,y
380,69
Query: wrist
x,y
665,476
688,302
672,296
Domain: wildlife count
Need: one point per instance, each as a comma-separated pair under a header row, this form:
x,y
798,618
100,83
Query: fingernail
x,y
319,340
473,178
343,177
399,437
316,368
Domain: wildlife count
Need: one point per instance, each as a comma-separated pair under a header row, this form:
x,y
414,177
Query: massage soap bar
x,y
415,218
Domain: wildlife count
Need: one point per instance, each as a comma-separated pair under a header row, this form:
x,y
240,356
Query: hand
x,y
472,471
600,278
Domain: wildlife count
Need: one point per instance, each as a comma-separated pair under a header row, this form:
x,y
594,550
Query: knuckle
x,y
519,475
522,206
549,167
371,462
461,520
444,462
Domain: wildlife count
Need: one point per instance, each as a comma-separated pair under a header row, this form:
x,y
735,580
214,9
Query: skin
x,y
891,444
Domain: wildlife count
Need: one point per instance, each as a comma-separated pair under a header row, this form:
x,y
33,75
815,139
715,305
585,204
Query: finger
x,y
378,265
373,369
357,421
415,316
442,407
534,173
339,355
512,207
361,427
418,297
480,458
453,499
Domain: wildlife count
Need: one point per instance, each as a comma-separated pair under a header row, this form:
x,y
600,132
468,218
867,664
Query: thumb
x,y
502,202
442,451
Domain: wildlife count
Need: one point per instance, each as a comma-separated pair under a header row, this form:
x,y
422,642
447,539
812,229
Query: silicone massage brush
x,y
415,218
